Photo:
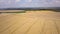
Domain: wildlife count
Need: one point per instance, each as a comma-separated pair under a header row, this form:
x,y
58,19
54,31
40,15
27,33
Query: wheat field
x,y
31,22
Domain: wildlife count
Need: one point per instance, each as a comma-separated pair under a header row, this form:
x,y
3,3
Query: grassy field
x,y
30,22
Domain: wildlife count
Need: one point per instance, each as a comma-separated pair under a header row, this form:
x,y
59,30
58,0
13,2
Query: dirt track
x,y
38,22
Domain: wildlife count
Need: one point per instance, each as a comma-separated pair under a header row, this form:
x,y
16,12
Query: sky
x,y
29,3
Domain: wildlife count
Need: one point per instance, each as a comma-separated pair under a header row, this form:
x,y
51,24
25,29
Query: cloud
x,y
17,0
29,3
29,0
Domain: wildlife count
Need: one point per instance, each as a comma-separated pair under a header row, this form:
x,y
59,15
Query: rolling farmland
x,y
31,22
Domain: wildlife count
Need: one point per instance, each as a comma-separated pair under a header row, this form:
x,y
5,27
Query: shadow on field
x,y
46,10
57,10
14,12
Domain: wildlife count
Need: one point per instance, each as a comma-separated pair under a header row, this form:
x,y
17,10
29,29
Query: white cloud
x,y
1,1
17,0
9,2
29,0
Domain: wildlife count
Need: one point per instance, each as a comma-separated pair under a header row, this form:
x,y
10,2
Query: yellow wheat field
x,y
31,22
